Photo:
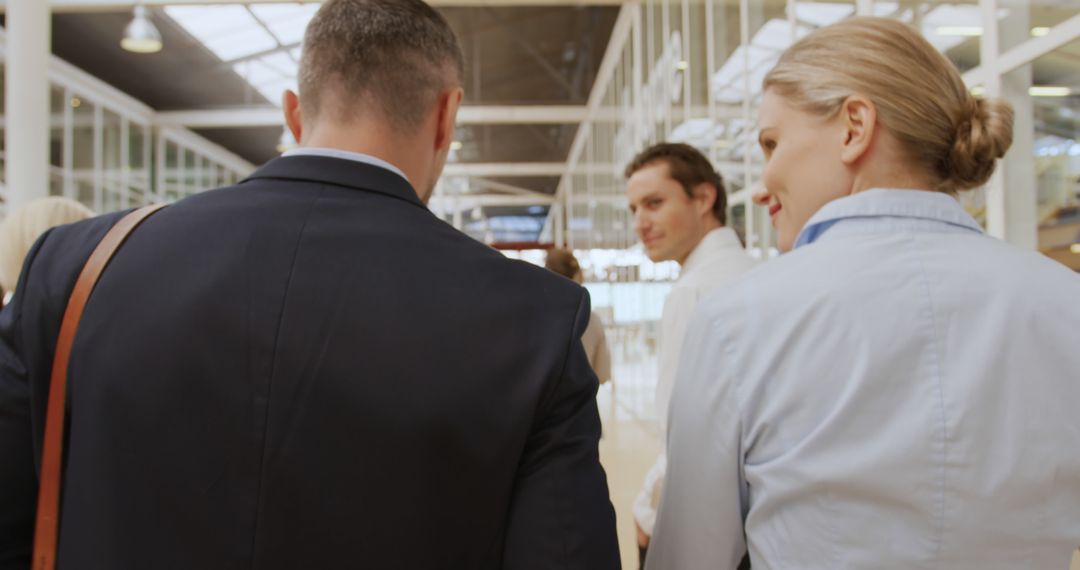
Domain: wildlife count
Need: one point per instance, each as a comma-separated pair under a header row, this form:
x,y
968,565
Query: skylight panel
x,y
229,31
286,21
283,63
242,43
775,34
885,9
822,14
273,90
730,75
258,73
210,22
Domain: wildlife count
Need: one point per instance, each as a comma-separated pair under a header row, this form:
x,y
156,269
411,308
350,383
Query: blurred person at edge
x,y
898,390
310,369
679,206
22,227
563,262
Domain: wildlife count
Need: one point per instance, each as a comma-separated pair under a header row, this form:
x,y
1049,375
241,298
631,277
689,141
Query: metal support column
x,y
27,95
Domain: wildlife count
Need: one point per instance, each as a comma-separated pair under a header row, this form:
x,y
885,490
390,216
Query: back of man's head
x,y
393,57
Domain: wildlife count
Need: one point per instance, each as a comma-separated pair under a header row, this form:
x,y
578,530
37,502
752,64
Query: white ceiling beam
x,y
223,118
521,114
505,169
506,188
116,5
467,115
451,202
496,169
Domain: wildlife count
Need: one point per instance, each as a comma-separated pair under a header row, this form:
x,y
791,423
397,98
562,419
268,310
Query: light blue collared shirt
x,y
346,155
900,391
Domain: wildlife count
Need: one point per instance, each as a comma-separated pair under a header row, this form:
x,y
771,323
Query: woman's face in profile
x,y
803,167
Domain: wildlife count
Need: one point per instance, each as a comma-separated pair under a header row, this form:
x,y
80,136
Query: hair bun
x,y
983,134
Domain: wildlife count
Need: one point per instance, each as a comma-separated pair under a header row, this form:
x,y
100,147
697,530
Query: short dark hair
x,y
396,55
563,262
688,167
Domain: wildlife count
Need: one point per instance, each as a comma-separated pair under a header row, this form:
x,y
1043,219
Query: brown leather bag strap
x,y
48,510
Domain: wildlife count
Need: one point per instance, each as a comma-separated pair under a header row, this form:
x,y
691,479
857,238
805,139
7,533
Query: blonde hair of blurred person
x,y
898,390
839,117
563,262
22,227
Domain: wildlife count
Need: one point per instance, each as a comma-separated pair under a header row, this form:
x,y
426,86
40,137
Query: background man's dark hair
x,y
394,55
688,167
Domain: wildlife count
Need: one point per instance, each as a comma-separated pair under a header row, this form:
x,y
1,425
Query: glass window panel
x,y
953,28
1031,18
58,105
170,191
282,63
1055,122
188,184
138,165
241,43
273,91
83,150
257,73
286,22
211,22
57,108
113,162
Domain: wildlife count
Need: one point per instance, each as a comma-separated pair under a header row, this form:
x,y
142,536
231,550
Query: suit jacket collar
x,y
339,172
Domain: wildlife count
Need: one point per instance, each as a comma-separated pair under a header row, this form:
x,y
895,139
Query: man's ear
x,y
290,103
704,198
859,122
449,102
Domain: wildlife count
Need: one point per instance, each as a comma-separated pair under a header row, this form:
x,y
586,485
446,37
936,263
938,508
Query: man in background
x,y
680,211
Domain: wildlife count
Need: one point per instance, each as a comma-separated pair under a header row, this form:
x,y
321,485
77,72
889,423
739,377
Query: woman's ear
x,y
859,121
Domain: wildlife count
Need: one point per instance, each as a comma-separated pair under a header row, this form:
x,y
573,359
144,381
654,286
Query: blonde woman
x,y
899,390
24,226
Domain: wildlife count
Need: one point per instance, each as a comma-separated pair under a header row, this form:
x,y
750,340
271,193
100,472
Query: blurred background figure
x,y
563,262
24,226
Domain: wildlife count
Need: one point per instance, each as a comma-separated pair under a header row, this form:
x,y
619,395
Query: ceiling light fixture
x,y
682,65
1048,91
140,35
1039,32
456,145
1075,248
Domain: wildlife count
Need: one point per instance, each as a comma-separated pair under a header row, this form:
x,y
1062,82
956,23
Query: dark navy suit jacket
x,y
306,370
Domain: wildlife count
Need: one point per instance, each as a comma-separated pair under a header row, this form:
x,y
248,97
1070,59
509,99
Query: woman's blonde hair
x,y
918,93
24,226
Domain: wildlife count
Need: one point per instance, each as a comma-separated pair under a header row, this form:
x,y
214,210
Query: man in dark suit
x,y
309,369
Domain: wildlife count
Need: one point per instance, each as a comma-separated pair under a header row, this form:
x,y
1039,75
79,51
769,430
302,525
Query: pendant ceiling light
x,y
140,36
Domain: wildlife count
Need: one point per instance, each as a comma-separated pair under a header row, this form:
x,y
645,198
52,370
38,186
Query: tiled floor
x,y
627,450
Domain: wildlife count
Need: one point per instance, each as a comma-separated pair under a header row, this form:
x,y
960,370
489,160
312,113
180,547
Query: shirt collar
x,y
713,242
882,202
346,155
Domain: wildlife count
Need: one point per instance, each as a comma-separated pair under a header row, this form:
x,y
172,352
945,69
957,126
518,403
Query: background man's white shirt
x,y
718,258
